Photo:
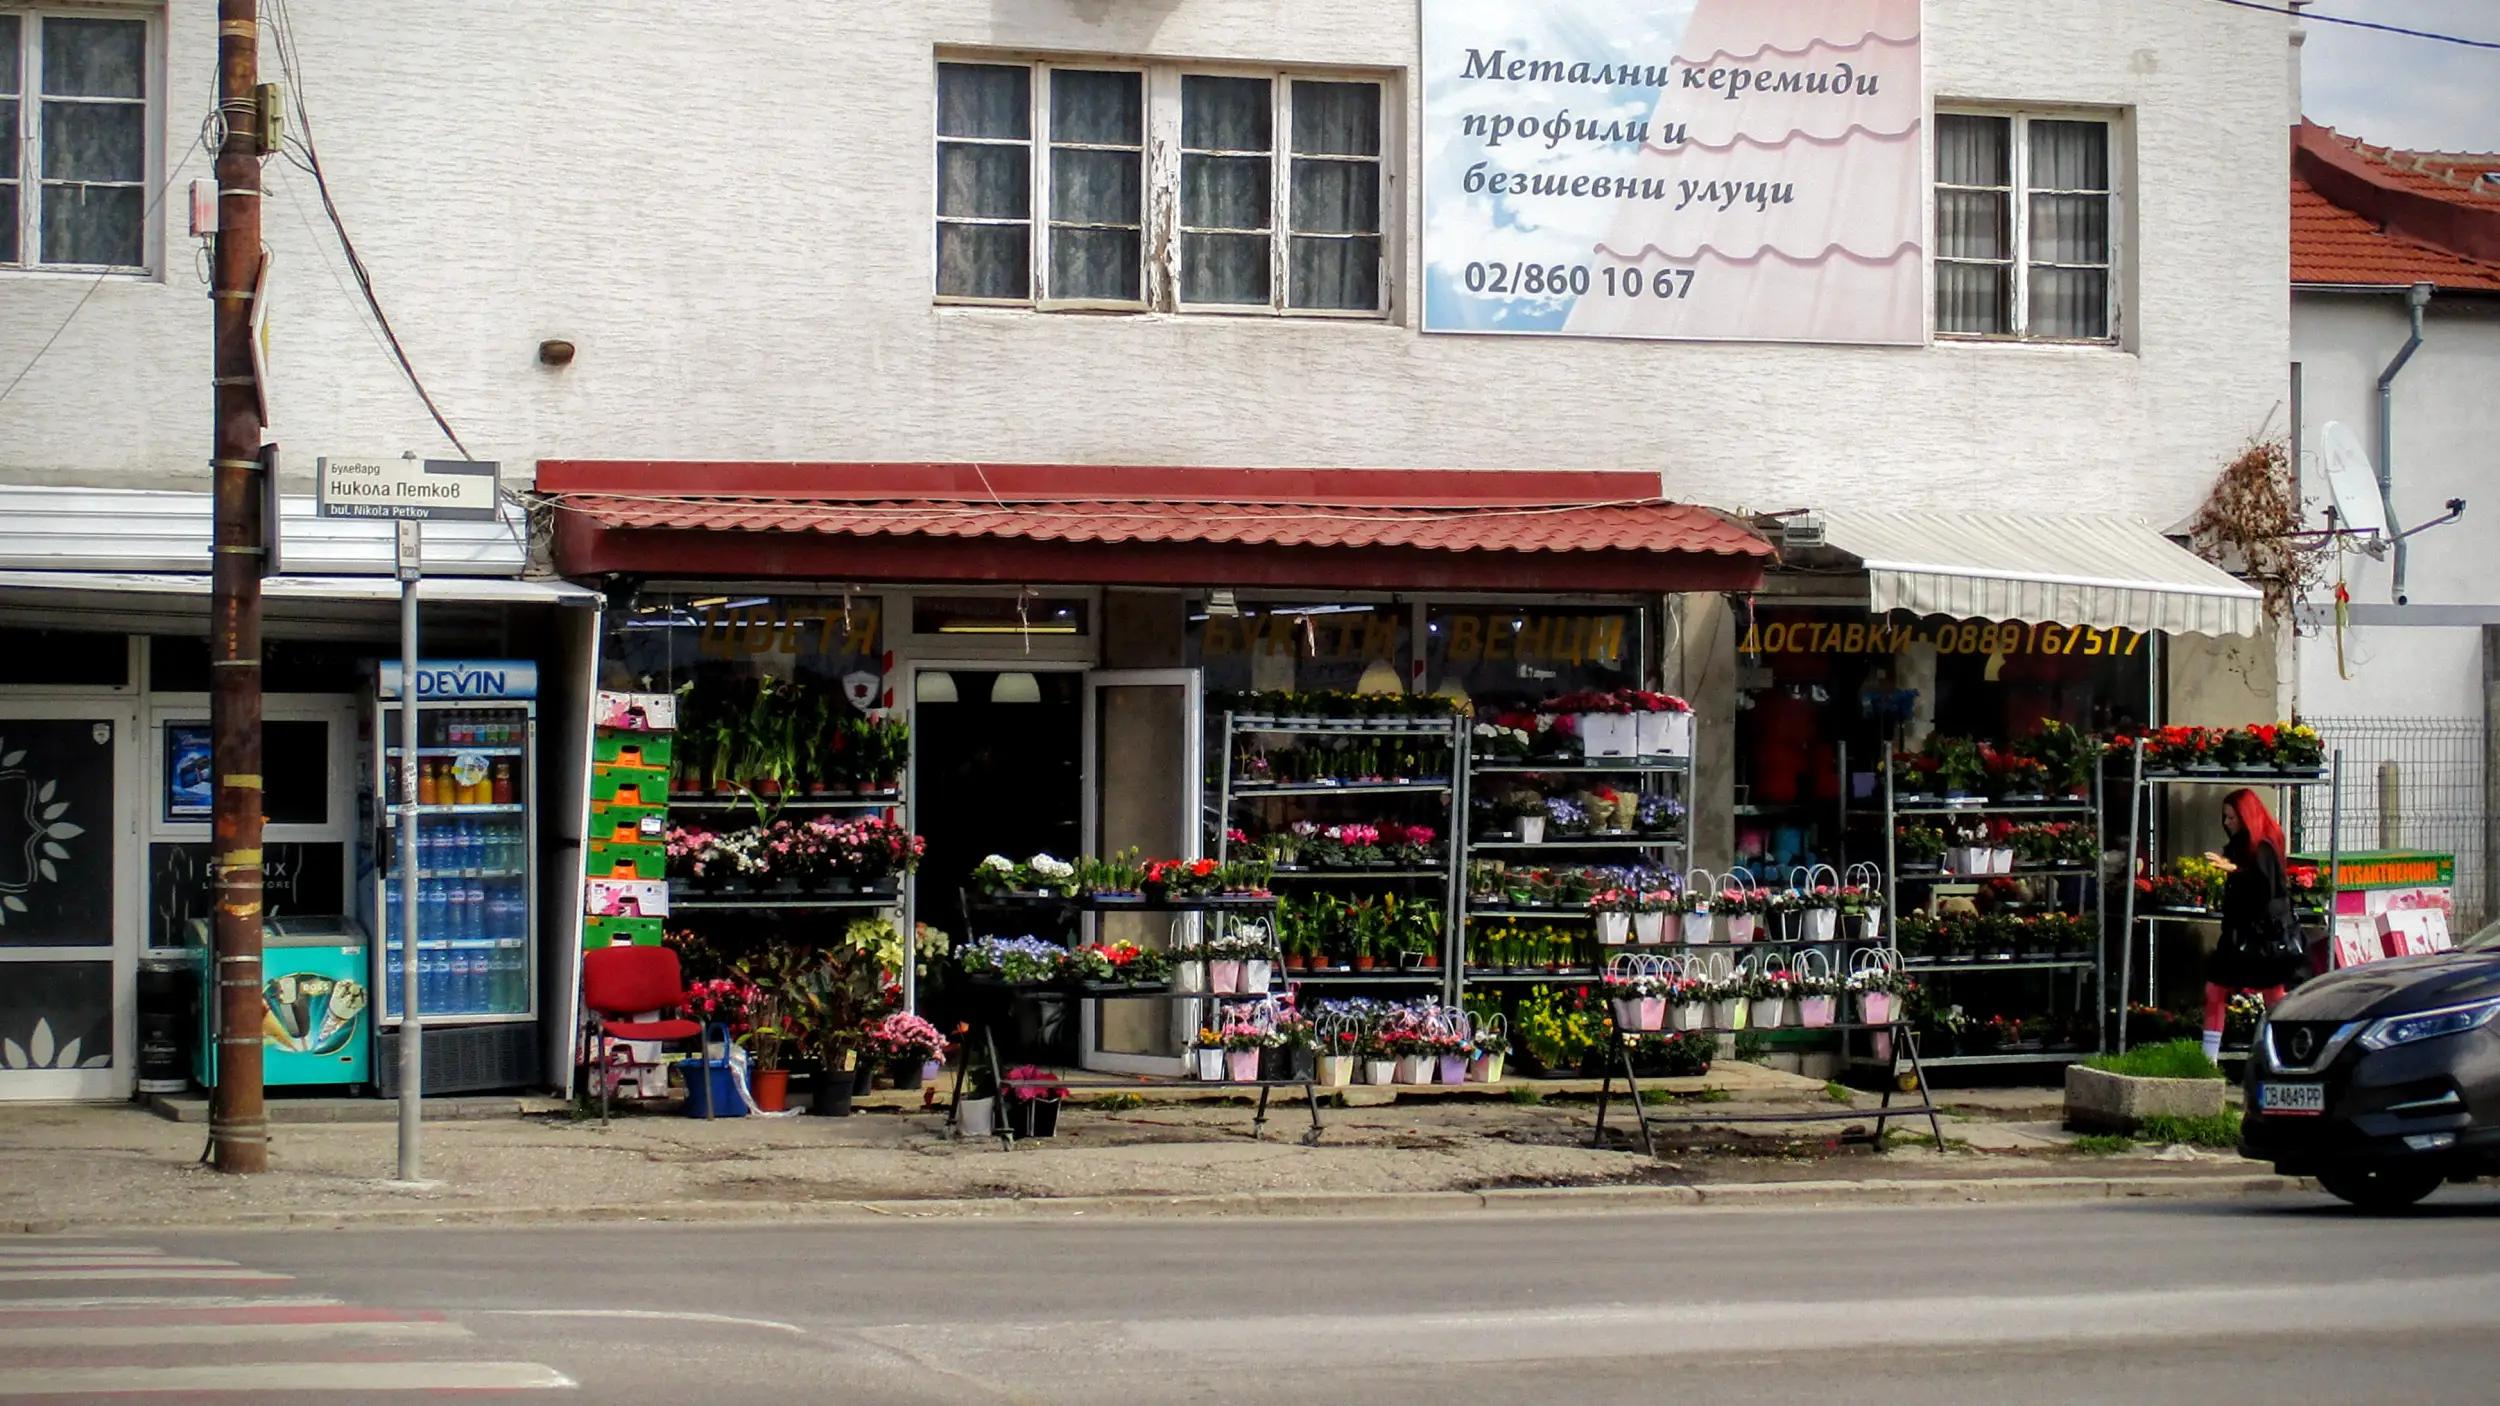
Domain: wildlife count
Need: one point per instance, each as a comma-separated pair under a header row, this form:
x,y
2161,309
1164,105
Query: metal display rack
x,y
2088,899
1448,795
2144,841
695,903
1904,1043
1666,851
1218,907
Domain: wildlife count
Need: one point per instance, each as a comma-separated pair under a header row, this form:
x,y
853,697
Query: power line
x,y
2363,24
146,220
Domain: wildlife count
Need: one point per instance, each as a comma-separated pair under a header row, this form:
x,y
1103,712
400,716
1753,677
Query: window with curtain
x,y
74,162
2023,227
1275,198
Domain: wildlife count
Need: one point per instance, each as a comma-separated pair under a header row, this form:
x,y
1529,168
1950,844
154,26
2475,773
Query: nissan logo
x,y
2304,1043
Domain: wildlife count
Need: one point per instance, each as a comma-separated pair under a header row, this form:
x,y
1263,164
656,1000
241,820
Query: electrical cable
x,y
2383,28
147,218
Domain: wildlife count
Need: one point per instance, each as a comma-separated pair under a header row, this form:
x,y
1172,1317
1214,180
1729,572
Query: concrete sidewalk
x,y
92,1168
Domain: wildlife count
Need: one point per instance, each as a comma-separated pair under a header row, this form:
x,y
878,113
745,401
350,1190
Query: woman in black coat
x,y
2255,953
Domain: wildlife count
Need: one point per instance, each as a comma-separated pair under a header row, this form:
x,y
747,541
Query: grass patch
x,y
1894,1139
2175,1059
1654,1097
2221,1130
2103,1144
1524,1094
1839,1093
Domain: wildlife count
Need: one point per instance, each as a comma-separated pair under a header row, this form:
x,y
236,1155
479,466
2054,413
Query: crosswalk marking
x,y
118,1272
176,1301
264,1377
38,1249
227,1334
108,1262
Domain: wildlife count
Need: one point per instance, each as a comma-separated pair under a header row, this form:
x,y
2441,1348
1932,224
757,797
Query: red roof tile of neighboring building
x,y
2331,244
2367,215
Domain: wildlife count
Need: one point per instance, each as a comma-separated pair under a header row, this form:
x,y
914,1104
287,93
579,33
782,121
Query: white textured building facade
x,y
728,211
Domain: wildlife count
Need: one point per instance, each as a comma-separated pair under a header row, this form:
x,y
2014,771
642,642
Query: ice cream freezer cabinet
x,y
316,1016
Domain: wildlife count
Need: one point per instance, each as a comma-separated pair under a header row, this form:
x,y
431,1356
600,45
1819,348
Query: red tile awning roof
x,y
2369,216
1367,529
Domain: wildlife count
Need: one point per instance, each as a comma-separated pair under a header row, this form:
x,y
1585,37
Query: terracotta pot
x,y
1363,963
771,1088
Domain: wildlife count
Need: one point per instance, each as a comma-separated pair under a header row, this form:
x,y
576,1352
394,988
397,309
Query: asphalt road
x,y
2269,1300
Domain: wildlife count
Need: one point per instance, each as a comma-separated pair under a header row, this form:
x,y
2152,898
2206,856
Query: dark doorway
x,y
1000,771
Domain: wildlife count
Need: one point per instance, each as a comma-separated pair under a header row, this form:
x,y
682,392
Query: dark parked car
x,y
2383,1081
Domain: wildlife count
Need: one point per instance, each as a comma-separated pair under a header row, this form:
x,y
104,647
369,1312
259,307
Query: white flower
x,y
997,864
1046,867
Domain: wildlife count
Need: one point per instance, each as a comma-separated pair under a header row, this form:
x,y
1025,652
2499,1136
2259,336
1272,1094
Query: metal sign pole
x,y
412,1021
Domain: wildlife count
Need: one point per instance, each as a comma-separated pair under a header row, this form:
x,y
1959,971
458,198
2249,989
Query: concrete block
x,y
2101,1102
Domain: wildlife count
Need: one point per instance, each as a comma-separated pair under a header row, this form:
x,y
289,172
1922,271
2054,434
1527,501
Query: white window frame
x,y
1159,246
1044,297
2018,204
29,137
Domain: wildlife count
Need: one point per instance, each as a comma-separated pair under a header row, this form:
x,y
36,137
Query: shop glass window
x,y
1278,194
179,664
1509,656
1306,646
2024,228
64,658
999,615
74,162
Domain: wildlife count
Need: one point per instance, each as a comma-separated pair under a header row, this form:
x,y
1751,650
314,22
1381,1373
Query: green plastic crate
x,y
618,784
623,823
610,860
651,749
622,932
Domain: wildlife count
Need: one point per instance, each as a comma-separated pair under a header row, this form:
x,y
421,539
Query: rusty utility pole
x,y
237,1123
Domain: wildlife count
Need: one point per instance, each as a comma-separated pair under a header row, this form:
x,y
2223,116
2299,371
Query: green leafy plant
x,y
2214,1130
2173,1059
2103,1144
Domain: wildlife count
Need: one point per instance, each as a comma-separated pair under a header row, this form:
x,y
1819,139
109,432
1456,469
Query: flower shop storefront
x,y
936,727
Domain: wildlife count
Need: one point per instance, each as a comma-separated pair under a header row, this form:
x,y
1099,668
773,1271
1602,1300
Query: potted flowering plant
x,y
1651,905
1018,961
1604,721
1121,965
906,1044
1693,908
1638,1000
1816,987
1919,846
995,876
1663,727
1688,1002
1377,1057
1565,816
1658,815
1411,846
1741,907
1877,987
1043,874
1959,767
1525,812
1614,908
1487,1047
1821,905
1731,1000
1772,991
1243,1039
1337,1047
1033,1098
1207,1055
1783,907
694,854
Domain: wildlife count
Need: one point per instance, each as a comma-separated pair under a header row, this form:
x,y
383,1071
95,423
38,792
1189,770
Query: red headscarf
x,y
2257,825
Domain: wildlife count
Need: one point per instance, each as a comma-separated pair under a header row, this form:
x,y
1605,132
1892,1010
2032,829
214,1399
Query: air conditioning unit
x,y
1803,530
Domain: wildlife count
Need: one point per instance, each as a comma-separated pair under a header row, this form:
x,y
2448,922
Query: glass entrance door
x,y
1143,741
67,922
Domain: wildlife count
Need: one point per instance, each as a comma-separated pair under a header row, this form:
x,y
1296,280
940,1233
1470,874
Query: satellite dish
x,y
2350,480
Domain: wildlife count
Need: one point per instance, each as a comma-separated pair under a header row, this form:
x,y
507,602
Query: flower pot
x,y
977,1117
2000,860
1451,1069
863,1078
1695,928
1627,1012
1649,929
1610,735
1532,830
1380,1071
1614,929
1223,978
908,1072
1210,1064
832,1096
1966,859
1770,1012
1414,1069
1665,734
1690,1015
771,1088
1730,1015
1336,1071
1815,1012
1035,1117
1874,1007
1241,1066
1651,1013
1254,976
1485,1069
1363,962
1822,924
1742,926
711,1089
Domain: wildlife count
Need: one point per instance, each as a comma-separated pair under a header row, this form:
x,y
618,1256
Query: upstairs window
x,y
1274,203
74,168
2024,240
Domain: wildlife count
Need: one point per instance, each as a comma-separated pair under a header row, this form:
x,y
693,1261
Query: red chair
x,y
620,983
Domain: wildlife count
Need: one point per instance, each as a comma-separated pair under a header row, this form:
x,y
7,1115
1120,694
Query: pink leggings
x,y
2218,997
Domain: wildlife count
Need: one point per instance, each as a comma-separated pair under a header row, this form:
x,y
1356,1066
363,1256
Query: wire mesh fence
x,y
2410,783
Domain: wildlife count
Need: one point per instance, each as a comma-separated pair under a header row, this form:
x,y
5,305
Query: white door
x,y
1144,733
68,920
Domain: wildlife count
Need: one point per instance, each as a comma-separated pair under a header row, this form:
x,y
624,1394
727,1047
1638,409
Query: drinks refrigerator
x,y
477,830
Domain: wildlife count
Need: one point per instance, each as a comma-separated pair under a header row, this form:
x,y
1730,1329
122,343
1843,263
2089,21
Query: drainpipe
x,y
2416,299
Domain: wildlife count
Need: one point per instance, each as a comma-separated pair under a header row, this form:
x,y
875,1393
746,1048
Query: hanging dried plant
x,y
2252,525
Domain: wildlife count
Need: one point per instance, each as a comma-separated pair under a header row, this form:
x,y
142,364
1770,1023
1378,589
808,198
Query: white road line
x,y
236,1334
646,1315
118,1273
157,1301
108,1262
35,1248
264,1377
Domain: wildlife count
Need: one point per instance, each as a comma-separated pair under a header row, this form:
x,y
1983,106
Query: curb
x,y
1555,1200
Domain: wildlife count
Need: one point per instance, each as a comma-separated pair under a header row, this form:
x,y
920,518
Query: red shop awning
x,y
1055,524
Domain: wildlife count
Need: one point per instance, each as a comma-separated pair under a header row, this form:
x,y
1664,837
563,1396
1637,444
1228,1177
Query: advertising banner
x,y
1715,170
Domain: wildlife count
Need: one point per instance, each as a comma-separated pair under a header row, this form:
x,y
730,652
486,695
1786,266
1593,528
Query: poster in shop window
x,y
1710,170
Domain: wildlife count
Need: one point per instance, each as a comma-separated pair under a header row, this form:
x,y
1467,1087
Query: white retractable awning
x,y
138,530
2066,569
